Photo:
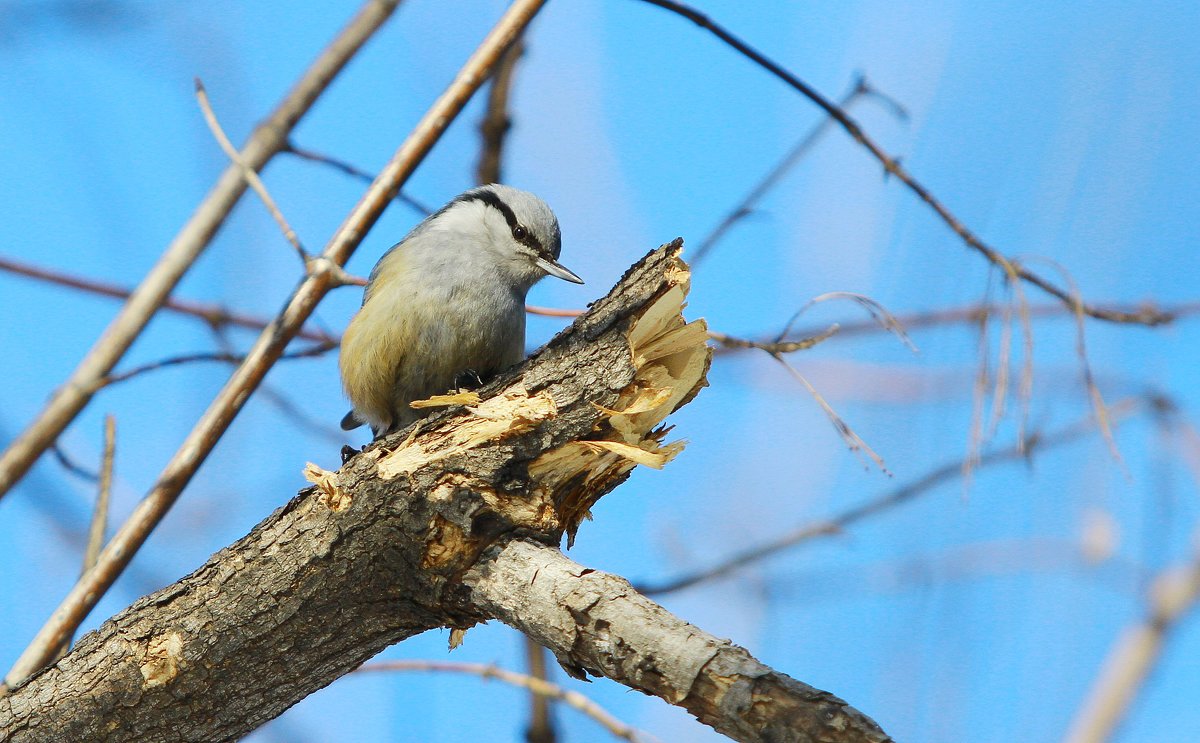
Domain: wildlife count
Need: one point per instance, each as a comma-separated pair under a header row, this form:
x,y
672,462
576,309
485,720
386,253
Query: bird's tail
x,y
349,422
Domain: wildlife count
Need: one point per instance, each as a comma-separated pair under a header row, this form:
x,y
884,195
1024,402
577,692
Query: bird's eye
x,y
519,233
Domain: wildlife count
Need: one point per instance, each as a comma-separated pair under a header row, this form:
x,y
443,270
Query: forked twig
x,y
852,439
260,188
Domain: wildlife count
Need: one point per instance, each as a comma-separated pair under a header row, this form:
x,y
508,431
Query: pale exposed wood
x,y
376,552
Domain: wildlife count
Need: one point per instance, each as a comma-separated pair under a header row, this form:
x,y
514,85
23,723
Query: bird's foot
x,y
468,379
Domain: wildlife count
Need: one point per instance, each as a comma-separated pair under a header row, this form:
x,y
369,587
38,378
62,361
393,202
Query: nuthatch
x,y
446,303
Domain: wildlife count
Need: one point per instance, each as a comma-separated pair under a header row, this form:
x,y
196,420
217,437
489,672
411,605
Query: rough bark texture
x,y
595,622
378,551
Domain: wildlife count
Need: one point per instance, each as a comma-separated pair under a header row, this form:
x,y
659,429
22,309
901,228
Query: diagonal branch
x,y
251,176
893,166
324,273
439,527
214,315
838,523
1174,595
750,201
268,139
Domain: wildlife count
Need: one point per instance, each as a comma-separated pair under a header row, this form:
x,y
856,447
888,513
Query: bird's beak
x,y
558,270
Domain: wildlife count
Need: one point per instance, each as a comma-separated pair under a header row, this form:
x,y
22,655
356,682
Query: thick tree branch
x,y
378,551
595,622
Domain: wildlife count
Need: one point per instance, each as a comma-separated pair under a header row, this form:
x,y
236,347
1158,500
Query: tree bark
x,y
597,623
438,526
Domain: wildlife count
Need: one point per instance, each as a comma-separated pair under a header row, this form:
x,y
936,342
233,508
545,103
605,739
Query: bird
x,y
447,304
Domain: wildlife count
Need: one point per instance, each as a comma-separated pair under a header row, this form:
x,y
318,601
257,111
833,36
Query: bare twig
x,y
1099,408
260,188
747,205
852,439
357,173
212,314
100,516
268,138
226,357
774,347
1173,595
975,432
270,344
964,562
892,166
70,465
838,523
496,122
99,523
572,699
880,314
541,724
969,314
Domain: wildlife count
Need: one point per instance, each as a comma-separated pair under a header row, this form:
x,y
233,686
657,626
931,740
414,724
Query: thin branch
x,y
100,516
774,347
969,314
226,357
296,414
572,699
269,138
99,523
975,434
70,465
860,90
855,442
213,315
357,173
496,122
541,724
1099,408
892,166
959,563
840,522
271,343
1174,594
260,188
880,314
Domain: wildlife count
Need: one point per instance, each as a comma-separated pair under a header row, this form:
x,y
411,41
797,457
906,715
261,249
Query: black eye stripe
x,y
491,199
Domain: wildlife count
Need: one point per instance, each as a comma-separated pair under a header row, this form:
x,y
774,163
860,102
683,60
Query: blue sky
x,y
1065,131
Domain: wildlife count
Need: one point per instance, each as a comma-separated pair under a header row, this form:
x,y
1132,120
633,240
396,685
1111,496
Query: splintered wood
x,y
568,428
507,414
671,358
